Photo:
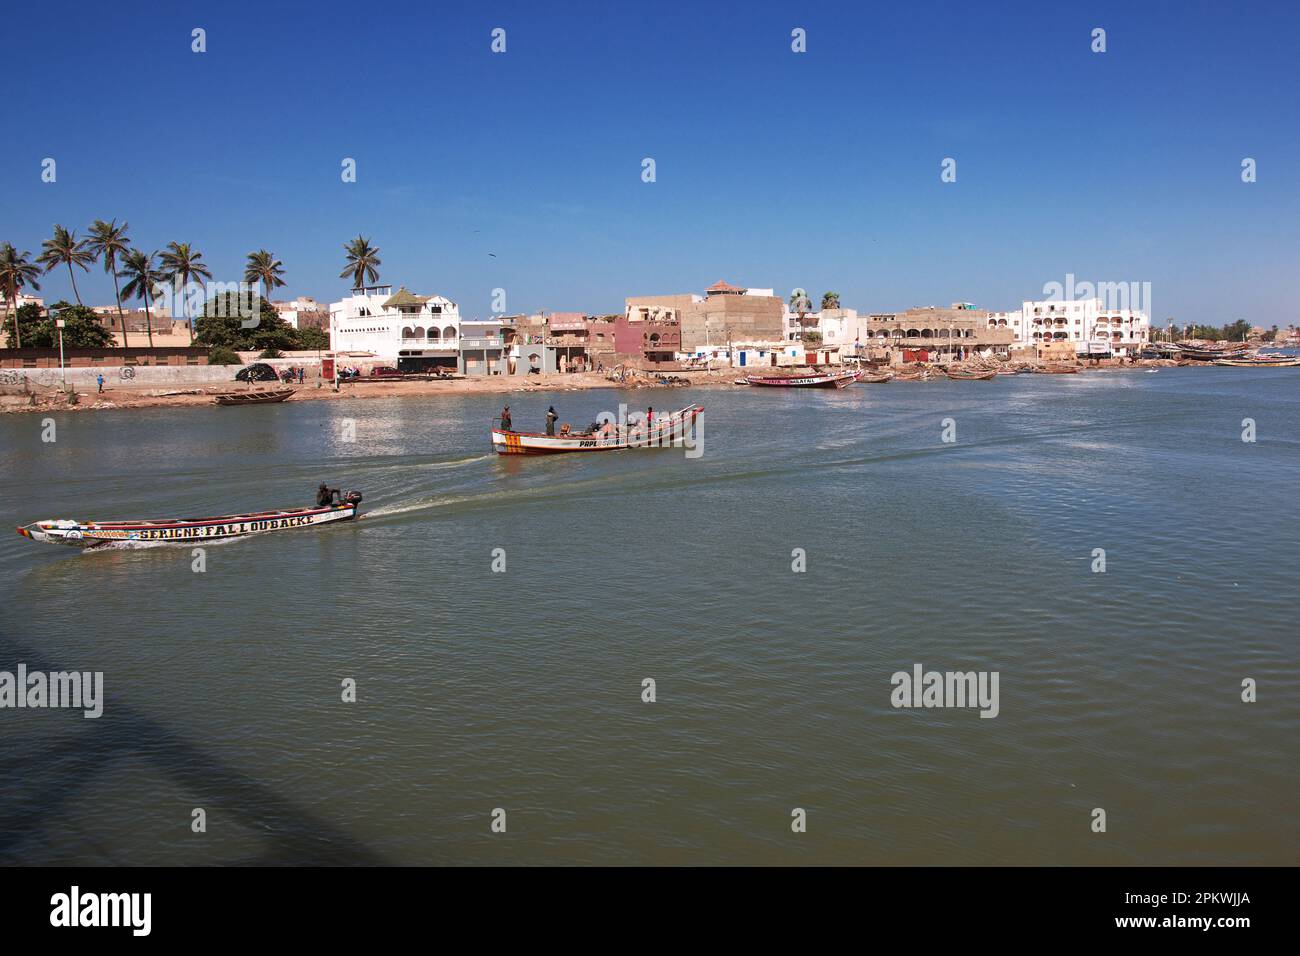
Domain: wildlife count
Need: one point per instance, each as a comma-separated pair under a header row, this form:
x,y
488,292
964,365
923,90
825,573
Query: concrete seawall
x,y
138,375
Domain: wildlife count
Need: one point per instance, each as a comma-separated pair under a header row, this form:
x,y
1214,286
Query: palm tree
x,y
16,272
108,240
179,264
66,249
362,260
265,268
139,268
830,300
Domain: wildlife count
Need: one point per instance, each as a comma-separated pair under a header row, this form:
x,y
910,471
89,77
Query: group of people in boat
x,y
597,429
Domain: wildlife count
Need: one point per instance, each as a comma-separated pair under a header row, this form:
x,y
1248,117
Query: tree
x,y
81,327
363,262
26,326
139,267
224,324
265,268
66,249
180,265
831,300
108,241
15,273
313,338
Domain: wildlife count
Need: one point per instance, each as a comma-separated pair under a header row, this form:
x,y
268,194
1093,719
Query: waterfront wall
x,y
82,378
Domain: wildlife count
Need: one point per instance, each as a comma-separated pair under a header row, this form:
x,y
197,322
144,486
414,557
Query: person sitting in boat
x,y
325,495
565,429
505,419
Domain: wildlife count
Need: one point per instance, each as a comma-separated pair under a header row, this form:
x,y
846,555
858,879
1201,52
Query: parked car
x,y
384,371
257,372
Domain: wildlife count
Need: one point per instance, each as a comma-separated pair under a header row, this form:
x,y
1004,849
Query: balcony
x,y
426,343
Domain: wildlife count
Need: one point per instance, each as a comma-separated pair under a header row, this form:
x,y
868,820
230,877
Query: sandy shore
x,y
154,397
311,391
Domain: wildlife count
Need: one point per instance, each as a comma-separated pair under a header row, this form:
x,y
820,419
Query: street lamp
x,y
63,375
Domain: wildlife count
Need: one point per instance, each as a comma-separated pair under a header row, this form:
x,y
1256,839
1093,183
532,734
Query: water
x,y
1119,690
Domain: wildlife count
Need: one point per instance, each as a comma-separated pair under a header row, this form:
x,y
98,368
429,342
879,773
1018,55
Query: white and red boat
x,y
806,380
91,534
665,432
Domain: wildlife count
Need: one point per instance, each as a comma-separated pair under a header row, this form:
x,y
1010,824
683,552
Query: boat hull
x,y
91,534
1258,363
255,397
825,380
666,433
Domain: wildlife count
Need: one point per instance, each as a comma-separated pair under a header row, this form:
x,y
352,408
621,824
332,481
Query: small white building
x,y
289,311
412,332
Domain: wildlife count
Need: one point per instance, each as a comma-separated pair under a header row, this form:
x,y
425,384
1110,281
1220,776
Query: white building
x,y
289,311
410,331
1085,323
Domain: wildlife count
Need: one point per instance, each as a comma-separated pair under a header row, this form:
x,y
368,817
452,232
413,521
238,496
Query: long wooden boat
x,y
1281,361
1059,370
962,375
92,534
806,380
256,397
1208,352
870,378
664,432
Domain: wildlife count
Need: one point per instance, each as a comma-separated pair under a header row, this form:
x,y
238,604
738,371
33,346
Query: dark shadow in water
x,y
43,778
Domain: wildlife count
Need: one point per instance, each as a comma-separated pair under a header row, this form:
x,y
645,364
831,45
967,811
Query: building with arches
x,y
412,332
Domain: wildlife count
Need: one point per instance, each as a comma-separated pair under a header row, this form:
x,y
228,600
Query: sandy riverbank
x,y
153,397
120,397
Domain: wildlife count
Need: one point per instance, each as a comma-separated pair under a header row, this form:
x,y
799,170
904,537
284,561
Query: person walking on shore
x,y
100,379
551,418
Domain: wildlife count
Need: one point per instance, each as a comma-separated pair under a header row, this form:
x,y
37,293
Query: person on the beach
x,y
650,417
505,419
551,418
100,379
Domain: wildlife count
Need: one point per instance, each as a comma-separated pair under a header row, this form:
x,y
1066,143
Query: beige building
x,y
724,314
960,326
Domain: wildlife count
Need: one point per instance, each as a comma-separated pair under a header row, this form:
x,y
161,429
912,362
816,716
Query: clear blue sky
x,y
818,170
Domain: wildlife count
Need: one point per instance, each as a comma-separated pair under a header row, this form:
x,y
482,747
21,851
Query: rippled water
x,y
1119,690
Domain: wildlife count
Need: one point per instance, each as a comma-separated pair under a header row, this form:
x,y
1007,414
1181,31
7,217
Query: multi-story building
x,y
725,313
936,333
1092,328
413,332
651,334
485,347
567,333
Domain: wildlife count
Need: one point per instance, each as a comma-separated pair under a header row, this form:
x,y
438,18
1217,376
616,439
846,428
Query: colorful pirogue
x,y
663,432
92,534
806,380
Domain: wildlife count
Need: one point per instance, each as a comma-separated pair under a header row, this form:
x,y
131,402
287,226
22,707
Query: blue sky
x,y
522,170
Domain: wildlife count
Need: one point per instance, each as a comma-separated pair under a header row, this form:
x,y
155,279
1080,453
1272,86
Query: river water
x,y
1119,690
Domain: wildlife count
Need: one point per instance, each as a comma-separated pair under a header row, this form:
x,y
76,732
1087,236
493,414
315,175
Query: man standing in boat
x,y
505,419
552,416
325,495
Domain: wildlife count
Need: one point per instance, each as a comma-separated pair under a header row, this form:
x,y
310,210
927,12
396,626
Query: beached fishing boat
x,y
91,534
1263,361
1209,351
871,378
1059,370
255,397
806,380
973,375
664,432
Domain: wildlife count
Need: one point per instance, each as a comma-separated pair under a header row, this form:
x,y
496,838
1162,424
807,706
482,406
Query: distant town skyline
x,y
524,170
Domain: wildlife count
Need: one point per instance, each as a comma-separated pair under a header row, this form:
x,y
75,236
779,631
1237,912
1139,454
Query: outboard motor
x,y
352,498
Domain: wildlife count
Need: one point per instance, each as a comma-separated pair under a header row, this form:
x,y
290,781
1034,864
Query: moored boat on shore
x,y
806,380
92,534
971,375
664,432
255,397
1262,361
